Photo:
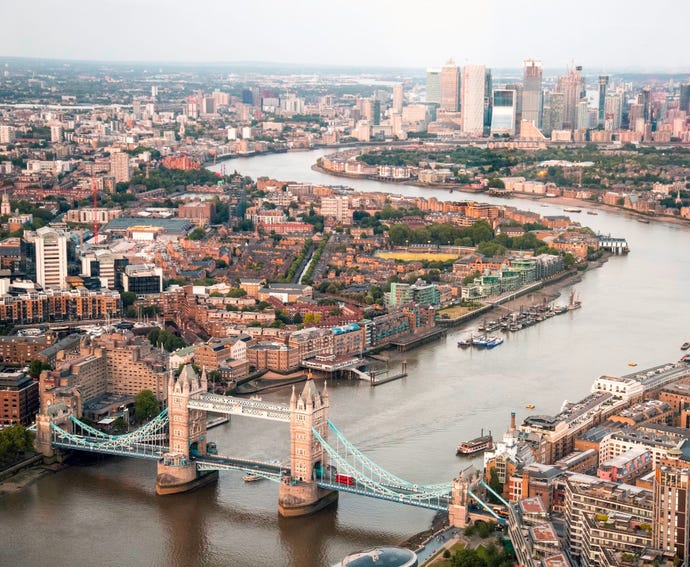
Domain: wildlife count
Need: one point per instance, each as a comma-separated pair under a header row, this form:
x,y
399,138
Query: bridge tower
x,y
299,493
458,514
177,470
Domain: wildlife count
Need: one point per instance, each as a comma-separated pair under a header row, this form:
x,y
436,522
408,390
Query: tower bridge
x,y
323,462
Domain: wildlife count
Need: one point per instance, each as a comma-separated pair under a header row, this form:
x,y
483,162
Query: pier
x,y
404,343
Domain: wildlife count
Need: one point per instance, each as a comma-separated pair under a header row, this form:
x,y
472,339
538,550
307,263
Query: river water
x,y
635,308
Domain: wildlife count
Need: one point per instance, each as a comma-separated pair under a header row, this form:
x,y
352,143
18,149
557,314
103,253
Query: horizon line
x,y
334,66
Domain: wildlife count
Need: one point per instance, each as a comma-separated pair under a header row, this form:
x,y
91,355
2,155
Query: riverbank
x,y
26,477
563,201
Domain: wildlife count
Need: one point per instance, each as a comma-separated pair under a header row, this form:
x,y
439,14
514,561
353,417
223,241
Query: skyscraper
x,y
398,98
603,85
684,97
450,87
503,112
572,88
51,258
433,86
532,100
557,103
472,87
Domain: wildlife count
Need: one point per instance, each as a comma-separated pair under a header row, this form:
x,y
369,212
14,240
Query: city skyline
x,y
495,34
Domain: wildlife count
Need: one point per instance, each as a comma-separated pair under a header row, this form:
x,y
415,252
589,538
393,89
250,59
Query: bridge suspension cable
x,y
391,479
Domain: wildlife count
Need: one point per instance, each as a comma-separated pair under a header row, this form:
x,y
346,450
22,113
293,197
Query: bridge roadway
x,y
273,470
410,498
230,405
96,445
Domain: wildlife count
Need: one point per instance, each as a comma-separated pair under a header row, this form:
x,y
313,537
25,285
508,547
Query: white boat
x,y
251,477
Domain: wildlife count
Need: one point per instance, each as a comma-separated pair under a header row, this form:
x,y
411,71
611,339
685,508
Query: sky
x,y
606,34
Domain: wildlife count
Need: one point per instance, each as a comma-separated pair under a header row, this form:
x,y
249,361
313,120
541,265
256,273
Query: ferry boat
x,y
573,210
492,342
251,477
476,445
685,346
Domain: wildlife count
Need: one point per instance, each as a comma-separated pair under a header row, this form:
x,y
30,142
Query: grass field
x,y
453,312
418,256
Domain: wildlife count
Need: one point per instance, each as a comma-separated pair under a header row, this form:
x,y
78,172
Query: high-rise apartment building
x,y
56,134
532,99
119,167
572,87
613,111
433,86
671,508
398,98
51,258
7,134
450,87
472,101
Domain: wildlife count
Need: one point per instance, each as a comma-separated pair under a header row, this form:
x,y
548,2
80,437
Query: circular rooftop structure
x,y
381,557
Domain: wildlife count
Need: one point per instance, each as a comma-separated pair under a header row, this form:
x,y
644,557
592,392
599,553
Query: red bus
x,y
344,479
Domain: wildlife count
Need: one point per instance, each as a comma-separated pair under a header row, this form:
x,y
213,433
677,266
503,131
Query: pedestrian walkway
x,y
445,538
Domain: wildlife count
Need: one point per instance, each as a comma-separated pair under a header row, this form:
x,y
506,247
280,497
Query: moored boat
x,y
573,210
476,445
592,213
492,342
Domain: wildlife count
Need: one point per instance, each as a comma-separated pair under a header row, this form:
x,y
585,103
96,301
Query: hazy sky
x,y
613,34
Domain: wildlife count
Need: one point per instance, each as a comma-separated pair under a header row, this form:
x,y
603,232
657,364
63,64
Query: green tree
x,y
14,440
36,367
145,405
197,234
128,298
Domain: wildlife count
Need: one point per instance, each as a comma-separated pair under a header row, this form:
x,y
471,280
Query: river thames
x,y
635,308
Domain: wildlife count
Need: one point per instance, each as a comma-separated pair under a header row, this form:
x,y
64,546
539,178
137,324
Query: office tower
x,y
582,115
517,87
646,101
684,103
472,99
51,258
398,98
503,114
247,97
376,112
119,167
433,86
557,104
488,101
450,87
154,91
208,105
532,98
601,110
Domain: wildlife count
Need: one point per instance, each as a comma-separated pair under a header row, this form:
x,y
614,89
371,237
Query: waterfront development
x,y
411,426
